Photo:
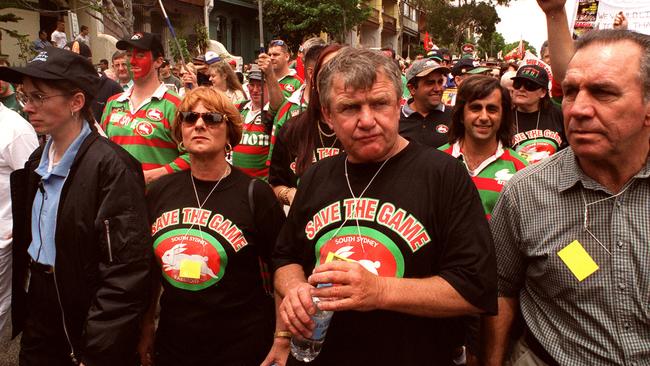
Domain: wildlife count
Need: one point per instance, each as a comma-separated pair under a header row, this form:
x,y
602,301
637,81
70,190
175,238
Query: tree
x,y
491,44
120,19
454,25
510,46
26,53
293,20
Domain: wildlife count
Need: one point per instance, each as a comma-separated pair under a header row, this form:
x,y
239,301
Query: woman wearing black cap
x,y
81,269
539,127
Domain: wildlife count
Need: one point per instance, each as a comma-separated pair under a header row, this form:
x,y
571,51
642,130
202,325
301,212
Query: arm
x,y
148,331
496,330
276,97
358,289
124,274
280,350
297,306
560,43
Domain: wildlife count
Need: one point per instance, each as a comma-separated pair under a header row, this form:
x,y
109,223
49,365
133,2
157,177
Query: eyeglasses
x,y
209,118
527,84
36,99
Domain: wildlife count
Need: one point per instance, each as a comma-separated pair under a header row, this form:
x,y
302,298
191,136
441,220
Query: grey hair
x,y
359,69
609,36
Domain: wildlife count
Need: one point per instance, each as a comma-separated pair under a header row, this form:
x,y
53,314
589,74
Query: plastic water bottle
x,y
306,349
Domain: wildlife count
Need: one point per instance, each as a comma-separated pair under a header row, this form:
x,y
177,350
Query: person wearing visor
x,y
539,131
139,119
211,226
81,255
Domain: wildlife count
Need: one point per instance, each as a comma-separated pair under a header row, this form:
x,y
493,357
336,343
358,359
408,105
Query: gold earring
x,y
228,147
181,147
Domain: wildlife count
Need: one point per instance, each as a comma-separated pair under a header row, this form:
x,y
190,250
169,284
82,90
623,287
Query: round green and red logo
x,y
536,150
372,249
190,259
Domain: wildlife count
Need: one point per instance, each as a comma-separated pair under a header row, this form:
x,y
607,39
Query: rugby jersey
x,y
292,107
290,82
492,174
252,151
145,132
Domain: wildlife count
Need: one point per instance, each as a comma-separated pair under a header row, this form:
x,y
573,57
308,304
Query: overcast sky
x,y
524,18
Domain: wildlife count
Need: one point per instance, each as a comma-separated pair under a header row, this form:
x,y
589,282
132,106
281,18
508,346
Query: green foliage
x,y
510,46
294,20
450,25
176,55
202,38
491,44
22,40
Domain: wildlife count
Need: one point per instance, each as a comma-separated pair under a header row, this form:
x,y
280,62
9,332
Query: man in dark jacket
x,y
80,282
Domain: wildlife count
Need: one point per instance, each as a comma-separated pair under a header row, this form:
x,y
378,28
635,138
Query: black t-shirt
x,y
430,130
282,171
535,142
224,316
421,217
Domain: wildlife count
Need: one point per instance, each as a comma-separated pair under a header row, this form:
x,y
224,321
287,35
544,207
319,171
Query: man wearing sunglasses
x,y
539,132
139,119
287,78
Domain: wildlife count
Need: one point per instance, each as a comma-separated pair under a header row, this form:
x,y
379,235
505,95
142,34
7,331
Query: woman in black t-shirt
x,y
539,128
303,140
211,226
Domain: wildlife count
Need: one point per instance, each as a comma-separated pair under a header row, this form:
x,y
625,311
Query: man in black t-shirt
x,y
404,222
424,118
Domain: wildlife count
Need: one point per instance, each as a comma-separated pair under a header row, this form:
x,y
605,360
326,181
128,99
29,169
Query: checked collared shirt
x,y
603,319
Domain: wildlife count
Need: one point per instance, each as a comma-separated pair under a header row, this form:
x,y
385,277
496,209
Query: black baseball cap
x,y
56,64
534,73
462,66
143,41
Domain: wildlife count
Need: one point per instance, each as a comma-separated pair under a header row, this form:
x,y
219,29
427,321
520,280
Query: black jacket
x,y
104,288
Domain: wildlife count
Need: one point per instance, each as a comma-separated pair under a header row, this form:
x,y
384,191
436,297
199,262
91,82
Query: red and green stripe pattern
x,y
490,180
146,134
252,151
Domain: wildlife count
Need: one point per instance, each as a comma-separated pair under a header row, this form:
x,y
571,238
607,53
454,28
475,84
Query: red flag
x,y
300,68
427,42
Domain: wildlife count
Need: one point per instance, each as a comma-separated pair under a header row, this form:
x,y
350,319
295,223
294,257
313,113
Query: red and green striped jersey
x,y
292,107
146,131
290,82
252,151
492,174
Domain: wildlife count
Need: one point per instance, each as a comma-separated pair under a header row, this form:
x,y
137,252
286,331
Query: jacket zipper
x,y
108,240
73,357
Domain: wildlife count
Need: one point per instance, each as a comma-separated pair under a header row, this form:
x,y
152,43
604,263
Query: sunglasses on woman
x,y
528,85
209,118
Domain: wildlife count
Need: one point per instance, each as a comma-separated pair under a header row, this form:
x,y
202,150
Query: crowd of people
x,y
449,212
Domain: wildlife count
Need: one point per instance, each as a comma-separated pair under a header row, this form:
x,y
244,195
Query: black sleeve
x,y
123,291
290,244
269,218
468,262
280,173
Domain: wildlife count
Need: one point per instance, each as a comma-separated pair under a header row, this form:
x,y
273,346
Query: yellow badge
x,y
190,269
331,257
578,260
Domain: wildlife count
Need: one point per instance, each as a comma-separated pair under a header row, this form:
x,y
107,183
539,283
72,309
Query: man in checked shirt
x,y
572,234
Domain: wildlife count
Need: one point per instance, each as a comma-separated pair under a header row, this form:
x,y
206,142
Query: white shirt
x,y
84,39
17,141
59,39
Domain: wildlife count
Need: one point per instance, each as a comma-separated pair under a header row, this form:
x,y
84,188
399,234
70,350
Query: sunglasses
x,y
528,85
276,42
209,118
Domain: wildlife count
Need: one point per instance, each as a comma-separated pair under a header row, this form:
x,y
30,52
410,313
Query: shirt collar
x,y
571,173
456,153
68,157
297,97
291,72
159,93
407,111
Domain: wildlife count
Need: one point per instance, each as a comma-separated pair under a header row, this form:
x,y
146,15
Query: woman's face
x,y
218,80
49,109
201,139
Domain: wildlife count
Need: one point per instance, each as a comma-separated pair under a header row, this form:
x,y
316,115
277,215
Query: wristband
x,y
282,334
